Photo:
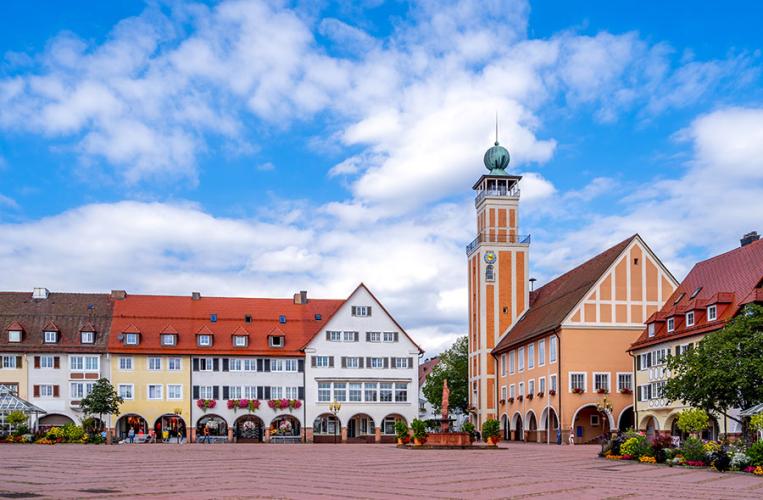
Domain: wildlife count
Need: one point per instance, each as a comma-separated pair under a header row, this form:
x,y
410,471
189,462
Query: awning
x,y
749,412
10,402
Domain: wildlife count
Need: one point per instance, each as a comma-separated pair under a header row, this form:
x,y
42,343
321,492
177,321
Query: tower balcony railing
x,y
512,192
521,239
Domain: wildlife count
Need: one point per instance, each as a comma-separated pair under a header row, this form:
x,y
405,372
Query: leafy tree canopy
x,y
725,370
453,366
693,420
103,400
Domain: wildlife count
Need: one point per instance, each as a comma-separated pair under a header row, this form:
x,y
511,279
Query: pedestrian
x,y
180,435
571,439
165,436
558,435
131,435
206,434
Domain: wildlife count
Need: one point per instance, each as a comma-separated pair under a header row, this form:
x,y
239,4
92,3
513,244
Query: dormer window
x,y
204,340
650,329
51,337
361,311
671,324
276,341
690,318
712,313
169,339
14,335
131,339
87,337
240,340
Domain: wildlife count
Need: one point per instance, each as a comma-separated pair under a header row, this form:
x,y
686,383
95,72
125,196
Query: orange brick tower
x,y
498,269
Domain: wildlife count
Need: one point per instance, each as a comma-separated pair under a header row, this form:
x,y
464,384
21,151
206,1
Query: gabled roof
x,y
169,330
50,327
552,302
87,326
731,279
240,331
16,326
204,330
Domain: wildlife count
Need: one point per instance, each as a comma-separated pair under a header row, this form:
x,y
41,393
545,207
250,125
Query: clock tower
x,y
498,269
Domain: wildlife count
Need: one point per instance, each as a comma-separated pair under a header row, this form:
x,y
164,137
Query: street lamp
x,y
334,409
604,407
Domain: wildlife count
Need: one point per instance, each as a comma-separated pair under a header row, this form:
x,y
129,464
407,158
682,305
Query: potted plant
x,y
602,390
401,432
551,392
540,394
626,390
491,431
577,390
511,400
520,398
530,396
419,428
469,427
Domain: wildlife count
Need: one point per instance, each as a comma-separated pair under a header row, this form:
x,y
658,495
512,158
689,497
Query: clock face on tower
x,y
490,257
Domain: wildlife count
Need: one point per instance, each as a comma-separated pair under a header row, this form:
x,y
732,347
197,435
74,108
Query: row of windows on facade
x,y
689,320
517,358
248,365
338,336
601,382
77,390
653,390
362,362
329,425
358,392
51,337
248,392
659,357
202,340
76,363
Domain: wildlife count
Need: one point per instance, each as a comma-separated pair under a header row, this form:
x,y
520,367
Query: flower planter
x,y
400,441
540,394
511,400
492,441
530,397
418,442
577,390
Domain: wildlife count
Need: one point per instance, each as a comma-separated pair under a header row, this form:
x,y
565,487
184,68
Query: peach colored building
x,y
541,358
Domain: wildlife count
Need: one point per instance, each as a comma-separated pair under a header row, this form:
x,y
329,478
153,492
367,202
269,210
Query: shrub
x,y
739,460
720,460
419,429
693,420
636,447
468,427
712,447
55,434
756,422
72,433
660,445
693,450
20,430
491,428
401,430
16,418
755,453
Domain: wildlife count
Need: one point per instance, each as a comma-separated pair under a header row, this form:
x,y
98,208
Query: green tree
x,y
693,420
725,370
453,366
16,418
102,400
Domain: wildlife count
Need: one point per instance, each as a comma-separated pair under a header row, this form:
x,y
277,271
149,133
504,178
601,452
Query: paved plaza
x,y
347,471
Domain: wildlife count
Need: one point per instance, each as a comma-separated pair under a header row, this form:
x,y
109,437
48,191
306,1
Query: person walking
x,y
131,435
180,435
205,435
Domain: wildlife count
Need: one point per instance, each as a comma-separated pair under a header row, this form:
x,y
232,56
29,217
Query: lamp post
x,y
604,407
334,409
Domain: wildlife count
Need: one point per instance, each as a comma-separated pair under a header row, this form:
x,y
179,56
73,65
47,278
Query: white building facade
x,y
361,373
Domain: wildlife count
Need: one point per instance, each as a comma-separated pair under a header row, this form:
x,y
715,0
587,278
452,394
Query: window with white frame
x,y
14,335
601,382
512,392
125,363
552,349
541,352
521,359
401,392
350,336
234,392
552,383
504,393
690,318
385,392
521,389
650,329
173,364
51,337
240,340
206,365
250,365
206,392
155,391
204,340
373,336
712,313
92,363
503,365
362,311
333,336
375,363
291,392
87,337
234,364
511,362
400,363
47,362
76,363
126,391
352,362
154,363
321,361
131,338
624,382
371,391
47,391
356,391
531,356
250,391
168,339
340,391
390,337
671,324
531,387
276,340
542,385
277,392
577,381
78,390
324,391
8,362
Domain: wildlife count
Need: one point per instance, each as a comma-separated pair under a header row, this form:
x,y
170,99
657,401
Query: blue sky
x,y
259,148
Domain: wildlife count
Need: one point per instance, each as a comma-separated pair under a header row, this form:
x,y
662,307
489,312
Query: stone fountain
x,y
446,438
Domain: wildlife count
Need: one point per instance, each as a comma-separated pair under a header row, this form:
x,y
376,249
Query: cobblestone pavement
x,y
347,471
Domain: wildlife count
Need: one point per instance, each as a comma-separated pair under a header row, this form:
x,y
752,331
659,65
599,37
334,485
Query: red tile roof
x,y
552,302
151,314
729,280
426,368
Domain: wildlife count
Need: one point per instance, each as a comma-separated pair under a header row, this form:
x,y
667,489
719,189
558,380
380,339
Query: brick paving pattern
x,y
348,471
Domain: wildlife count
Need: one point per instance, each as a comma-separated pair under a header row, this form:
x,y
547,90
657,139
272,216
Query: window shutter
x,y
312,361
331,361
344,362
386,362
300,365
354,310
196,367
195,391
225,366
410,362
36,391
216,365
301,393
260,393
36,361
368,309
328,336
368,362
259,364
267,392
638,362
266,363
56,391
397,336
360,362
226,392
356,336
18,362
368,336
215,392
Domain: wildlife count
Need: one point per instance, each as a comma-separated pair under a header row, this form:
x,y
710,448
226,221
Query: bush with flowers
x,y
637,447
284,404
206,404
647,460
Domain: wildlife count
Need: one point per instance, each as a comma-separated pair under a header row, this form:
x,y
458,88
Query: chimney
x,y
118,295
749,238
301,297
195,295
40,293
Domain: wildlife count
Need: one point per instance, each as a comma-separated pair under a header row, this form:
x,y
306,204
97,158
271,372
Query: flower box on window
x,y
520,398
530,397
626,390
511,400
206,404
552,392
540,394
577,390
602,390
502,401
285,404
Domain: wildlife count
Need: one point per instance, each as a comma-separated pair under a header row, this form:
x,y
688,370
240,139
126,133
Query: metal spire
x,y
496,128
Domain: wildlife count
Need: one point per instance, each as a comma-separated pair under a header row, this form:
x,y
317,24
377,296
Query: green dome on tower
x,y
497,159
